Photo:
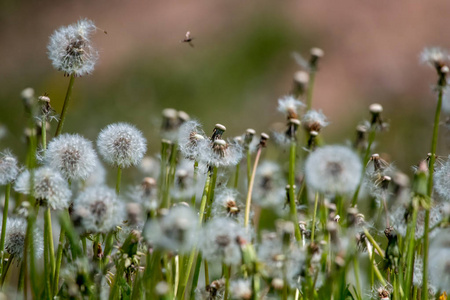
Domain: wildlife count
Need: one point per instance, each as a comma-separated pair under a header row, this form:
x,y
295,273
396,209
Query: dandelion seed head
x,y
175,231
72,155
221,153
333,170
241,289
8,167
434,56
50,188
70,48
191,139
121,145
314,120
289,106
184,185
99,209
15,238
439,260
228,204
442,181
219,241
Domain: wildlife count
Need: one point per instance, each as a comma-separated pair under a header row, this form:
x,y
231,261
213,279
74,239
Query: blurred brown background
x,y
240,65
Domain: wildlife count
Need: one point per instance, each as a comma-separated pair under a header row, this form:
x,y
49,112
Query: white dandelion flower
x,y
8,167
442,181
219,241
49,187
241,289
70,48
72,155
98,209
289,106
16,229
314,120
333,170
122,145
191,139
439,260
175,231
434,56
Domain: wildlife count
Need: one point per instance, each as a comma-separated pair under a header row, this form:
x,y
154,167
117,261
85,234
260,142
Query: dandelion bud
x,y
248,138
263,140
122,145
301,80
219,129
182,117
312,140
70,48
293,125
28,99
361,135
8,167
277,283
351,216
316,55
420,183
72,155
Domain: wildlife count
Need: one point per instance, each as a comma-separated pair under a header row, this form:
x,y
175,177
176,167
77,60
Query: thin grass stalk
x,y
430,191
5,271
65,105
5,217
196,276
248,201
292,205
313,226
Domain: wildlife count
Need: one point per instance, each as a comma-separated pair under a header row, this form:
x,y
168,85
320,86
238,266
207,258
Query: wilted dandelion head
x,y
15,238
70,48
228,204
122,145
314,120
72,155
219,241
439,260
8,167
221,153
98,209
333,170
191,139
434,56
49,187
289,106
442,181
174,231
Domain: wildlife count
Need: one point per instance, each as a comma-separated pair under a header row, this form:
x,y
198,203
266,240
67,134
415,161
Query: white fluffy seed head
x,y
8,167
442,181
220,153
289,106
70,48
333,170
314,120
191,139
175,231
15,238
49,187
227,203
72,155
439,260
122,145
434,56
219,241
98,209
241,289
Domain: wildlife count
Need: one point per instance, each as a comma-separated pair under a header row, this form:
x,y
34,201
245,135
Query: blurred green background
x,y
239,66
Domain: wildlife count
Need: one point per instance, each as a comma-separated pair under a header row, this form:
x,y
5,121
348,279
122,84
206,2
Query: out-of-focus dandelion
x,y
289,106
9,168
442,181
15,238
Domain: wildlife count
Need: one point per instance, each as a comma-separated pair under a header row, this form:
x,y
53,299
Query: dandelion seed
x,y
50,188
442,181
72,155
121,145
333,170
289,106
191,139
8,167
98,209
219,241
228,204
70,48
15,238
175,231
439,260
314,120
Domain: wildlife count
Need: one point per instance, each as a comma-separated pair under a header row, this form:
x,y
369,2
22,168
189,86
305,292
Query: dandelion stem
x,y
410,255
227,274
312,76
118,179
356,268
58,261
313,226
49,238
65,105
5,216
249,166
292,205
194,183
374,243
248,201
5,270
236,176
430,191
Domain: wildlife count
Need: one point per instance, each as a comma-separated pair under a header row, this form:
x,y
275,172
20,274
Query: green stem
x,y
58,261
365,161
48,221
373,242
118,179
249,166
227,274
313,226
248,202
356,268
410,257
65,105
434,141
194,183
236,176
5,217
292,205
211,194
5,270
44,133
196,276
312,76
